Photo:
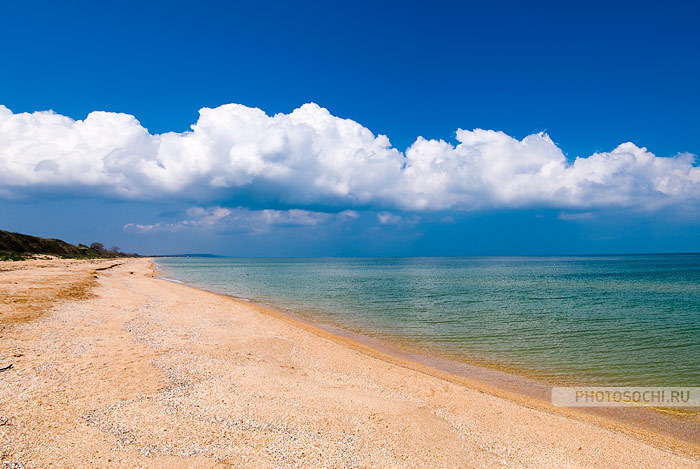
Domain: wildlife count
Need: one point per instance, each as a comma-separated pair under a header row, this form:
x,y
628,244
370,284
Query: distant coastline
x,y
612,254
184,255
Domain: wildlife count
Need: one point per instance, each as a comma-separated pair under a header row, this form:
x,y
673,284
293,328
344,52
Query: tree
x,y
115,248
97,246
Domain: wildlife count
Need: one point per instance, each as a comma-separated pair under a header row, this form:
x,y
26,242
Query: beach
x,y
113,367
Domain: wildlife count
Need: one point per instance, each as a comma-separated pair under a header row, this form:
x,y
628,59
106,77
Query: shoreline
x,y
116,368
489,378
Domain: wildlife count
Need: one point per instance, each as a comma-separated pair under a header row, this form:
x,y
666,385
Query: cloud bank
x,y
310,158
242,219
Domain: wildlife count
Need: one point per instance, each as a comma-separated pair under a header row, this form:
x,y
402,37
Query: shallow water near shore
x,y
605,320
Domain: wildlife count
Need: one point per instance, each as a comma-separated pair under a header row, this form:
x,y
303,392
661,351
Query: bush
x,y
11,256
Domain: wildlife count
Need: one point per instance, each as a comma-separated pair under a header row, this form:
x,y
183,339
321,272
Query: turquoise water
x,y
609,320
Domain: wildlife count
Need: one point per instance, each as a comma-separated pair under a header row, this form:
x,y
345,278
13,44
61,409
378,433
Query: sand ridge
x,y
133,371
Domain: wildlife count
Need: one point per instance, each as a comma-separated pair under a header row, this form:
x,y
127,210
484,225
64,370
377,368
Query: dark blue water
x,y
622,320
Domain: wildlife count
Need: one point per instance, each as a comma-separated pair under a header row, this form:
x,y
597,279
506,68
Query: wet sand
x,y
115,368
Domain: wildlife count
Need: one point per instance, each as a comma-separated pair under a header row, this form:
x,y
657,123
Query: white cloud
x,y
349,214
241,219
312,158
386,218
490,169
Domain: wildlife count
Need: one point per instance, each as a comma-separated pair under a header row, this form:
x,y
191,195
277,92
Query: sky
x,y
354,129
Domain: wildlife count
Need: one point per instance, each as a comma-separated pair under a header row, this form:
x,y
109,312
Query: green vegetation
x,y
17,247
11,256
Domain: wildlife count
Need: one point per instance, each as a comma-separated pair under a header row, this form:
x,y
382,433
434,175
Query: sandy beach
x,y
112,367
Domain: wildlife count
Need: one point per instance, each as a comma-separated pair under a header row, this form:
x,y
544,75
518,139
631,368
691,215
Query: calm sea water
x,y
614,320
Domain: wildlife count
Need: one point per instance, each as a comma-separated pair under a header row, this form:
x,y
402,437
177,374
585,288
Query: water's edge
x,y
606,321
489,378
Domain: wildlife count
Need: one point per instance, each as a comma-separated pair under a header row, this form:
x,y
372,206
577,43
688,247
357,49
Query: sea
x,y
629,320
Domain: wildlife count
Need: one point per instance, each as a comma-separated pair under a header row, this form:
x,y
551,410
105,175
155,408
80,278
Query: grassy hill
x,y
16,246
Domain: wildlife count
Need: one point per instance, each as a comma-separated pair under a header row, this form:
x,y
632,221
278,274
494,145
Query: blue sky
x,y
591,76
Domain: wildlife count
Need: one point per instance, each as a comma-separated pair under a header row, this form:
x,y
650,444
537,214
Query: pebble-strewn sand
x,y
126,370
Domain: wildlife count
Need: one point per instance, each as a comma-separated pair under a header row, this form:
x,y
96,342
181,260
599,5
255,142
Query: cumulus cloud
x,y
311,158
491,169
